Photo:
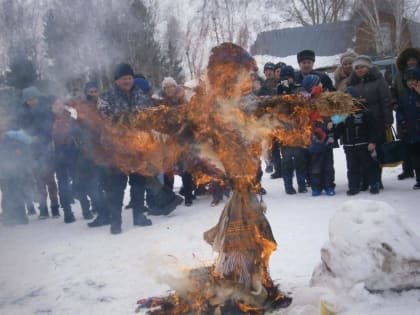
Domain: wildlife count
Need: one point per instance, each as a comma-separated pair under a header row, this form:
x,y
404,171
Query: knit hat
x,y
90,85
123,69
306,55
30,92
348,56
168,81
362,60
287,72
412,74
143,84
269,66
280,65
310,81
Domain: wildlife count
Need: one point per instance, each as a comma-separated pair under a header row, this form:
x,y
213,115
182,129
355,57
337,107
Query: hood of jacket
x,y
405,55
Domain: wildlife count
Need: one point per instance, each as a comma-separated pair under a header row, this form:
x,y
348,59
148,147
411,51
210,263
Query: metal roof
x,y
325,39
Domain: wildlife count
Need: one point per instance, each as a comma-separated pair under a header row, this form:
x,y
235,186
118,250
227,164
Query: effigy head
x,y
229,70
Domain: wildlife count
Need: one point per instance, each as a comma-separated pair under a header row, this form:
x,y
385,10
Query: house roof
x,y
325,39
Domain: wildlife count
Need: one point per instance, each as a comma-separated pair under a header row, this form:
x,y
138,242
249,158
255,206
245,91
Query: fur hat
x,y
306,55
123,69
405,55
348,56
362,60
168,81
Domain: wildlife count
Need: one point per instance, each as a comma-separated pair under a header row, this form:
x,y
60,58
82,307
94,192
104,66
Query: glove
x,y
19,135
72,111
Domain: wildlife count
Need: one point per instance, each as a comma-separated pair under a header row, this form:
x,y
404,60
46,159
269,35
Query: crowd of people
x,y
41,153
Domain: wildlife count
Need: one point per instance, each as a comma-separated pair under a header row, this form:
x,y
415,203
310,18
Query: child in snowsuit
x,y
358,137
321,161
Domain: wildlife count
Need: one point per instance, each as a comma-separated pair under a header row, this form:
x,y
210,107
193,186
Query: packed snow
x,y
48,267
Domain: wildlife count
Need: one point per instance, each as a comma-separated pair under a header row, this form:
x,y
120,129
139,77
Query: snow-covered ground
x,y
48,267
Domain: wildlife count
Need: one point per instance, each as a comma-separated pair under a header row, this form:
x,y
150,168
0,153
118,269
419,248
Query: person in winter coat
x,y
124,96
306,60
321,161
87,186
14,158
36,118
367,83
408,116
269,85
408,58
358,134
343,71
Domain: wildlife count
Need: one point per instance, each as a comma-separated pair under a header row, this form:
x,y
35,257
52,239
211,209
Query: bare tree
x,y
312,12
388,34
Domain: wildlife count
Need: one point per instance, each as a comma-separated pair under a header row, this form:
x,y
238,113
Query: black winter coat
x,y
408,116
373,89
358,129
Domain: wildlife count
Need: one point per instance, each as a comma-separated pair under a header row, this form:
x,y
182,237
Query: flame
x,y
218,134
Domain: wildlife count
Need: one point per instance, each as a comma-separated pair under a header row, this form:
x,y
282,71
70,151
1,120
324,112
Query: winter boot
x,y
139,219
416,185
68,215
316,192
374,189
87,214
188,202
288,185
276,174
43,213
31,210
55,212
330,191
301,180
115,229
100,220
405,175
352,192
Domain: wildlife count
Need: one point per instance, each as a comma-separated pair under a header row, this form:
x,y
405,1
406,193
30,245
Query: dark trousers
x,y
44,178
65,165
322,170
360,163
137,189
294,160
188,184
114,182
414,157
12,203
87,184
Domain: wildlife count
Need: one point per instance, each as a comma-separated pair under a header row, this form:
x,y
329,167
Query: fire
x,y
218,134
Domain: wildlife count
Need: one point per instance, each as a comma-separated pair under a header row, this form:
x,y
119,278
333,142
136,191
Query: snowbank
x,y
370,245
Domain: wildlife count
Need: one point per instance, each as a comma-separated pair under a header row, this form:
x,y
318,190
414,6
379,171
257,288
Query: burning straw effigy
x,y
222,124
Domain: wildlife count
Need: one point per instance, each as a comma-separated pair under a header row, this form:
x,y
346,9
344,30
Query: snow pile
x,y
370,247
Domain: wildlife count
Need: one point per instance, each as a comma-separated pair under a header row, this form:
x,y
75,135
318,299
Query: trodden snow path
x,y
49,267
